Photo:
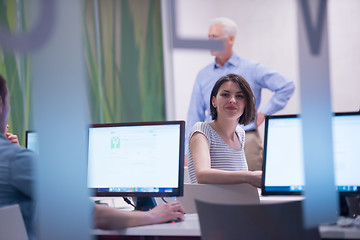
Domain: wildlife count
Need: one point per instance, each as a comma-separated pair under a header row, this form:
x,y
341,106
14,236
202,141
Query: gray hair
x,y
229,26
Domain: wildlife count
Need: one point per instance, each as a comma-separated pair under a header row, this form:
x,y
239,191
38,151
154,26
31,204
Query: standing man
x,y
258,76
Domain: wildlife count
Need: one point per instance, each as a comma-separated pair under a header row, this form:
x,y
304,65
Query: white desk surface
x,y
115,202
278,199
189,227
334,231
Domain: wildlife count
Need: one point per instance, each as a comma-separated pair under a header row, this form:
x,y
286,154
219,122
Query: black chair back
x,y
280,221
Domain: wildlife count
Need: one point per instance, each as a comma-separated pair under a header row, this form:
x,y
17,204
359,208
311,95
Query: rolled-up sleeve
x,y
282,87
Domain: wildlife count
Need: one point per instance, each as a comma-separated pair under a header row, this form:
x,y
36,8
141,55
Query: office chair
x,y
12,224
280,221
215,193
218,193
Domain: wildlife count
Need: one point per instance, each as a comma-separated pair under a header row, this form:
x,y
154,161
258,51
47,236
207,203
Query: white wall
x,y
344,36
268,34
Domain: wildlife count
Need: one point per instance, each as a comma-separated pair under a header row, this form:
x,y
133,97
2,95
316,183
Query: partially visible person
x,y
17,179
16,166
216,149
257,75
110,218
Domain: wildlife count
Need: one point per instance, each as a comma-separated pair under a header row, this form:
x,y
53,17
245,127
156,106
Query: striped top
x,y
222,156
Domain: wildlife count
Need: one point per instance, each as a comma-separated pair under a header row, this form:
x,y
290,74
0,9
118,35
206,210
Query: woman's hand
x,y
167,212
255,178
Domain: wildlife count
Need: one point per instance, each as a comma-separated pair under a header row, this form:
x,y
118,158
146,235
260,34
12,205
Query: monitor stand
x,y
145,203
349,204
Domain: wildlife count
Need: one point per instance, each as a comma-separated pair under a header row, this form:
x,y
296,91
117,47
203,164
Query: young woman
x,y
216,149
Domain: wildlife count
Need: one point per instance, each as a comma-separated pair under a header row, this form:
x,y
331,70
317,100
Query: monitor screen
x,y
31,141
283,170
136,159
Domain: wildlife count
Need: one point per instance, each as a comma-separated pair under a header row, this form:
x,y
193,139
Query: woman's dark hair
x,y
3,89
249,111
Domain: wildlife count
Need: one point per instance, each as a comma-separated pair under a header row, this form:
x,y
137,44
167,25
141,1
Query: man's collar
x,y
233,61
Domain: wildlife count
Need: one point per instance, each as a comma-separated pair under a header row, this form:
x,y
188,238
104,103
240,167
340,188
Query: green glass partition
x,y
123,55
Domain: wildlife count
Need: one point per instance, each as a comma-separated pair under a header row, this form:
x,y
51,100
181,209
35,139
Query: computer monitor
x,y
143,159
283,170
31,141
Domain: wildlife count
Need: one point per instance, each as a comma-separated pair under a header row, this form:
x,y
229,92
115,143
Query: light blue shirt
x,y
16,179
257,75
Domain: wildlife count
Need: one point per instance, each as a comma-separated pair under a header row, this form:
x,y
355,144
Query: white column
x,y
321,198
59,91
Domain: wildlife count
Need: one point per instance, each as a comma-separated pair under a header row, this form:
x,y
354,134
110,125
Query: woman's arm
x,y
200,150
111,219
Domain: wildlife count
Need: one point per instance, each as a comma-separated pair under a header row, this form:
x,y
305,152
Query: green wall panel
x,y
123,56
128,82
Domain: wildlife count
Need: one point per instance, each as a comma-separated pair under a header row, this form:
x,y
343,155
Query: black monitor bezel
x,y
27,137
265,192
177,191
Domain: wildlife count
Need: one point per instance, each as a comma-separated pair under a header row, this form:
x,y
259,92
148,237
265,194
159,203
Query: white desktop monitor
x,y
136,159
283,169
31,141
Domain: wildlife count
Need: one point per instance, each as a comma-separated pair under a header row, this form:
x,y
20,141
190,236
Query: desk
x,y
279,199
115,202
336,232
188,229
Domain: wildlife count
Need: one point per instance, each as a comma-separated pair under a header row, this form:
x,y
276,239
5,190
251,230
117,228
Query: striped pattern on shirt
x,y
222,156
